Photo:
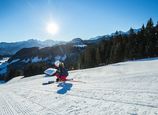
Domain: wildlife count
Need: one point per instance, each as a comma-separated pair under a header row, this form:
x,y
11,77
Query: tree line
x,y
122,47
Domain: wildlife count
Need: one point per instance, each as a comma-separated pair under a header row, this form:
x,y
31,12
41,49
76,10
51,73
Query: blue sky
x,y
27,19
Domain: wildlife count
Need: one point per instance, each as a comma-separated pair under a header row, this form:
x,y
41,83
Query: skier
x,y
62,72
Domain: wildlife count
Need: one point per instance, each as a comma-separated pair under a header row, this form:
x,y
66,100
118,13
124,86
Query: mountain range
x,y
12,48
8,49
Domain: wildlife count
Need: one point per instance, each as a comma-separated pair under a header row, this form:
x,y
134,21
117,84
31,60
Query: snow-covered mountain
x,y
125,33
119,33
78,42
12,48
98,37
127,88
106,37
35,56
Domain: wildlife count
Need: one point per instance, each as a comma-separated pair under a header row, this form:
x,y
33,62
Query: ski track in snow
x,y
127,88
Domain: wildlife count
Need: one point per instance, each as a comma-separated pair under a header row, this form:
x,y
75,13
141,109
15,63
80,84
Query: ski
x,y
73,80
50,82
70,80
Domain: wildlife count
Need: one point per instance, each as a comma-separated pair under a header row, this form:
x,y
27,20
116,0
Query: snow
x,y
59,57
64,58
4,60
81,46
26,60
95,38
45,59
14,61
3,65
126,88
114,34
36,59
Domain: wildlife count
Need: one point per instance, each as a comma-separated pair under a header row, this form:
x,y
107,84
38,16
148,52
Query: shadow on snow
x,y
64,88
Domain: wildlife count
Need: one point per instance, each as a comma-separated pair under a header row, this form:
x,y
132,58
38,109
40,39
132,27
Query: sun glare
x,y
52,28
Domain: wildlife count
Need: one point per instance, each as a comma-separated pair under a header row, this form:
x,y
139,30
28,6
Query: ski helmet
x,y
57,63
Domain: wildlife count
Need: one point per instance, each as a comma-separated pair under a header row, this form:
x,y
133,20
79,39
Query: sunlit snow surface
x,y
127,88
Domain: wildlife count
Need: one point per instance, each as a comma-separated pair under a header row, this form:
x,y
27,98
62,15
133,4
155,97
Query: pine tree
x,y
98,59
131,31
143,28
156,39
150,24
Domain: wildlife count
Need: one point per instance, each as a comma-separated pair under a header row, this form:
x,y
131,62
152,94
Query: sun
x,y
52,28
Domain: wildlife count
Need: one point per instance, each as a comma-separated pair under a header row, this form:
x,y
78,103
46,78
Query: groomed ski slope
x,y
127,88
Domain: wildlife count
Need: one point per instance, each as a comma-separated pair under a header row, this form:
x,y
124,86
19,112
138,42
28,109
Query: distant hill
x,y
34,60
12,48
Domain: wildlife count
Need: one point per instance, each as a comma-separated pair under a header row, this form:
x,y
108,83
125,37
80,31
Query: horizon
x,y
61,20
63,40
